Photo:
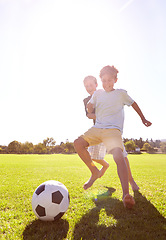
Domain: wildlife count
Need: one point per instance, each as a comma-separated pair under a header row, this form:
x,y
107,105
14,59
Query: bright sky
x,y
47,47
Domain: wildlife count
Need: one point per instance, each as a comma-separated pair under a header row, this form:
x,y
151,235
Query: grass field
x,y
95,214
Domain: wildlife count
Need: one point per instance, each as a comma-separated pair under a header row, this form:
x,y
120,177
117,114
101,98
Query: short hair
x,y
91,78
108,70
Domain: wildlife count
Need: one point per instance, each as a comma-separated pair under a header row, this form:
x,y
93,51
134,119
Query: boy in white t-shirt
x,y
108,128
97,152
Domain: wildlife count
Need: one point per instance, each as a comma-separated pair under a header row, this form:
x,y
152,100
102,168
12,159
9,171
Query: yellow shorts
x,y
111,138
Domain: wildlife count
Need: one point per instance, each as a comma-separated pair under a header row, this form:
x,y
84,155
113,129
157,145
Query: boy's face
x,y
90,86
108,81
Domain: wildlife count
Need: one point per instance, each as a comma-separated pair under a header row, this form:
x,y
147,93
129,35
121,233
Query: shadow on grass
x,y
40,230
143,222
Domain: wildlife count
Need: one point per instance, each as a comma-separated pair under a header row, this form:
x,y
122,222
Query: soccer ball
x,y
50,200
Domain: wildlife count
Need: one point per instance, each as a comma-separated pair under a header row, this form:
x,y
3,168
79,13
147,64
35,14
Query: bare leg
x,y
128,200
104,164
131,179
81,147
121,169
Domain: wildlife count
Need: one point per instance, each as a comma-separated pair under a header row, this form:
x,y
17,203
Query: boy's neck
x,y
110,90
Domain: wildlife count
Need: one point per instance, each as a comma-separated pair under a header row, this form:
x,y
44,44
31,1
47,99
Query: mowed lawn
x,y
95,214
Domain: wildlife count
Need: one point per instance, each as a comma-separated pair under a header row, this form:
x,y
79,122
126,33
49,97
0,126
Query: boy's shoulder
x,y
86,100
121,91
99,91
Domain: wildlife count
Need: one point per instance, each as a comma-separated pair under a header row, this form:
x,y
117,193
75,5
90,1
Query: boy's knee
x,y
80,143
117,155
76,143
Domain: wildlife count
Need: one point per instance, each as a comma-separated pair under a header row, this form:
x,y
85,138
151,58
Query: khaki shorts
x,y
111,138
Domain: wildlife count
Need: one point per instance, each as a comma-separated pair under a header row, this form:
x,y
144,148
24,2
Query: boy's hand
x,y
146,123
138,110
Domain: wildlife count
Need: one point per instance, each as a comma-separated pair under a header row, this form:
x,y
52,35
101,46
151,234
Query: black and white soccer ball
x,y
50,200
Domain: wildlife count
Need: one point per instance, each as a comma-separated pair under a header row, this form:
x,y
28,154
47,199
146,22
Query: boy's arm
x,y
138,110
90,107
89,115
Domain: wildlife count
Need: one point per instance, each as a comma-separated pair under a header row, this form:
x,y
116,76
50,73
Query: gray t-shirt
x,y
86,100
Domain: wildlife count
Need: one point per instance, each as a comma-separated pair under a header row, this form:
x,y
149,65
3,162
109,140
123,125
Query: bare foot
x,y
134,185
128,201
103,169
91,180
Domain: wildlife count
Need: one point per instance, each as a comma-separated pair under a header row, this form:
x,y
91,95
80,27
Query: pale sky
x,y
47,47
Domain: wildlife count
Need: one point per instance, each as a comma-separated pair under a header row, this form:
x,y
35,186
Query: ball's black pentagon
x,y
68,197
40,189
40,211
59,216
57,197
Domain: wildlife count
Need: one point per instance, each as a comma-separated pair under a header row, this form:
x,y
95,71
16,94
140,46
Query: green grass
x,y
95,214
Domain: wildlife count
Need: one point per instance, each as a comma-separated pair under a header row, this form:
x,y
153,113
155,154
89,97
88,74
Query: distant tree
x,y
157,143
40,148
152,143
58,149
125,140
139,142
147,141
27,148
163,147
66,148
69,147
130,146
151,150
3,149
145,147
14,147
49,144
148,148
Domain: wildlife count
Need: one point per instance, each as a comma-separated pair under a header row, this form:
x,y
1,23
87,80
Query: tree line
x,y
150,146
48,146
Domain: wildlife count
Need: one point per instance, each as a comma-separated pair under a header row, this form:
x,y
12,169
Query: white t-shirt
x,y
109,108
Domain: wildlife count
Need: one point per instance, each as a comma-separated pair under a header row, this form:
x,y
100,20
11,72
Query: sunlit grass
x,y
97,213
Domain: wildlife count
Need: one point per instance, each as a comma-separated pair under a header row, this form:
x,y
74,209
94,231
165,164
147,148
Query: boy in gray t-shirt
x,y
107,130
97,152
